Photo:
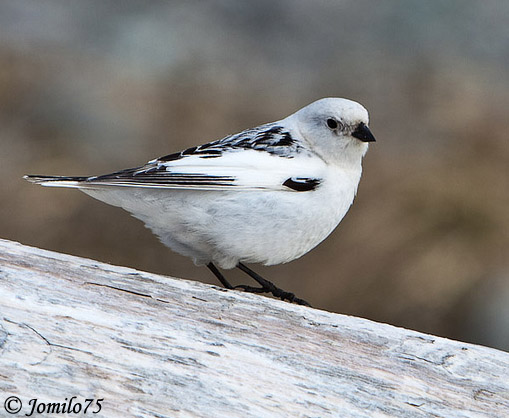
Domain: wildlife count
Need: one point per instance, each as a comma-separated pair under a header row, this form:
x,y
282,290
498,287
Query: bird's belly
x,y
270,227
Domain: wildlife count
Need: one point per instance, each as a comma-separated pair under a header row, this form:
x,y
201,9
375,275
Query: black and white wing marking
x,y
248,170
157,175
271,138
271,159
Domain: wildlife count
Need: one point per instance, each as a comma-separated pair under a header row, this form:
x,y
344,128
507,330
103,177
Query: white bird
x,y
265,195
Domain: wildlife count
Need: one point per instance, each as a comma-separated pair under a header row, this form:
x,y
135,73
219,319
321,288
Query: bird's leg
x,y
227,284
268,287
219,275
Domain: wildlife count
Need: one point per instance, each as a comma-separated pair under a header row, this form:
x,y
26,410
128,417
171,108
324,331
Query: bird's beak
x,y
363,133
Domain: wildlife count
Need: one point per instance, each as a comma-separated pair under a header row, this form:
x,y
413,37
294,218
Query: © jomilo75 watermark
x,y
14,405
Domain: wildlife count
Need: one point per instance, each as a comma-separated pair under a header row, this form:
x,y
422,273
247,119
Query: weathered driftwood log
x,y
154,346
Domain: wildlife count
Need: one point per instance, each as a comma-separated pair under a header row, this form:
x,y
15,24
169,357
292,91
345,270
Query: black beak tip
x,y
363,133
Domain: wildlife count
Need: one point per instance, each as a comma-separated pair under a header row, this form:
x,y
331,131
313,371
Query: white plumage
x,y
266,195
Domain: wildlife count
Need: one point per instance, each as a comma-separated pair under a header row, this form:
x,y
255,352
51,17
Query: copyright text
x,y
14,405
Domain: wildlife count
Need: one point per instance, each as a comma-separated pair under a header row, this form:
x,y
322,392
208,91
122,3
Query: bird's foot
x,y
275,291
266,286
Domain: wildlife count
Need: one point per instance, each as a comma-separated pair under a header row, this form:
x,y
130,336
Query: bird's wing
x,y
263,158
273,138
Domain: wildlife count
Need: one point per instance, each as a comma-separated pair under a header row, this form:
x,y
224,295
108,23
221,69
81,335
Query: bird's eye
x,y
332,123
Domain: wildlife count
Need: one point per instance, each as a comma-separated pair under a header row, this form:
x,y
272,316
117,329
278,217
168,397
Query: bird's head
x,y
335,129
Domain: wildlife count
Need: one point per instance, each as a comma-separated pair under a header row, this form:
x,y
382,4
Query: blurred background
x,y
92,87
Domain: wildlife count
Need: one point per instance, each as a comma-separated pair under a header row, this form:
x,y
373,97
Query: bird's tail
x,y
55,181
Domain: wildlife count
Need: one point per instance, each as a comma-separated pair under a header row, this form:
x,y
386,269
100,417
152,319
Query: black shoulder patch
x,y
301,184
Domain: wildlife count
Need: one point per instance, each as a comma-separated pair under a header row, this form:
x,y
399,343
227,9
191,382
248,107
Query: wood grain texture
x,y
154,346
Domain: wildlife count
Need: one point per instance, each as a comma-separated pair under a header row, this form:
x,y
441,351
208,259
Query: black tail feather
x,y
42,179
